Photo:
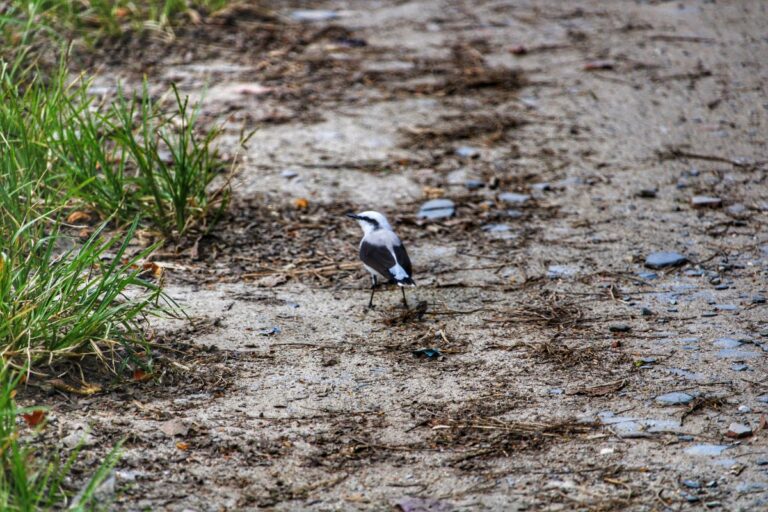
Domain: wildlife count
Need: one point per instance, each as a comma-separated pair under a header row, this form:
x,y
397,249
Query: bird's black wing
x,y
402,258
378,258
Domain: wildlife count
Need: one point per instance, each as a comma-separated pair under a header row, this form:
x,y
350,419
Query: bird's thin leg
x,y
402,289
373,289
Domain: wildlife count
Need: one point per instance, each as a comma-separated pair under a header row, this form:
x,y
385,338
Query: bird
x,y
382,253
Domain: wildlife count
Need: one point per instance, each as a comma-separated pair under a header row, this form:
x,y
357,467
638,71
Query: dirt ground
x,y
606,118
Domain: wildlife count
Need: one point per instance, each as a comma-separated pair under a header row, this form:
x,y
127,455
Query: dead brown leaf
x,y
85,390
34,418
78,217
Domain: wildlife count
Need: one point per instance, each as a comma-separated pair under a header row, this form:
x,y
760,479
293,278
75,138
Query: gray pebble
x,y
310,15
738,430
674,398
467,152
706,201
514,198
664,259
437,209
474,184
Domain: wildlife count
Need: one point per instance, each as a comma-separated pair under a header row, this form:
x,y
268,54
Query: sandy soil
x,y
556,341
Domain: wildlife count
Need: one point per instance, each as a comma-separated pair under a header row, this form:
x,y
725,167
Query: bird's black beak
x,y
353,216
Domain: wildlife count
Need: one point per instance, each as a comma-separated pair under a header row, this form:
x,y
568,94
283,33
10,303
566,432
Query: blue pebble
x,y
665,259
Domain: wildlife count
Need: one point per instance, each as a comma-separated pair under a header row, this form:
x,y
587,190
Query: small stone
x,y
311,15
514,198
496,228
555,391
743,409
646,312
647,193
78,438
514,214
685,437
474,184
619,328
467,152
762,462
722,287
736,210
289,174
706,201
674,398
763,399
738,431
541,187
726,343
658,260
739,367
709,314
690,498
648,276
758,299
750,487
706,450
560,271
712,504
437,209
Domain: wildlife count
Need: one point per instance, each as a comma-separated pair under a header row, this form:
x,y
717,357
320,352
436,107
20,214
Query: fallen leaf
x,y
763,422
181,445
86,390
76,217
301,203
140,375
433,192
173,428
34,418
122,12
153,267
602,389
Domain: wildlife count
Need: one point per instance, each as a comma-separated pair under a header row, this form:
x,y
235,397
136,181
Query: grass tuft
x,y
29,482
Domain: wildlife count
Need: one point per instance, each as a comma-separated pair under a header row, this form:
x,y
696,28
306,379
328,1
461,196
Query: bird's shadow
x,y
401,315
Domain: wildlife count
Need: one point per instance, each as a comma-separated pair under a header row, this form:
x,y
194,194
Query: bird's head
x,y
370,221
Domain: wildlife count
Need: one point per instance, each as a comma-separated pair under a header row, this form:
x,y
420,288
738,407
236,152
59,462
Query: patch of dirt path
x,y
556,341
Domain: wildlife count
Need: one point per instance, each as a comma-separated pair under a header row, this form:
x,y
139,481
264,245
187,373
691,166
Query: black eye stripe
x,y
368,219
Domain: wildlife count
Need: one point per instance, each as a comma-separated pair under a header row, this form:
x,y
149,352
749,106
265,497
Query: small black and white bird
x,y
382,253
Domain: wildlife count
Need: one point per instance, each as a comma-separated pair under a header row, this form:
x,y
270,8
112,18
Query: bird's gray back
x,y
383,237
